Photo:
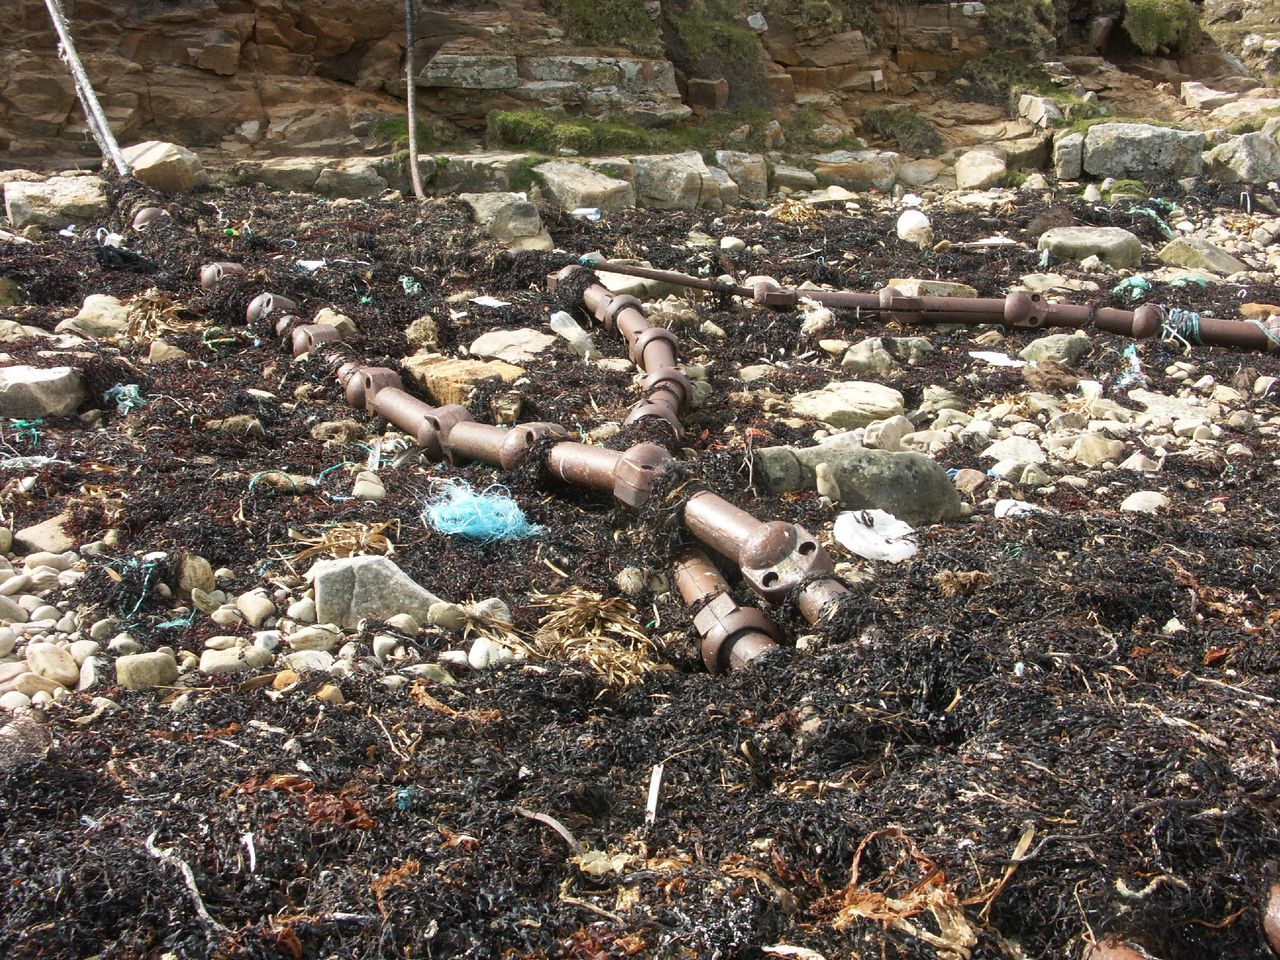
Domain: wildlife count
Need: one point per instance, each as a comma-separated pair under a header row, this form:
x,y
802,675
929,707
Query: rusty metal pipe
x,y
719,524
477,441
732,634
1018,309
583,465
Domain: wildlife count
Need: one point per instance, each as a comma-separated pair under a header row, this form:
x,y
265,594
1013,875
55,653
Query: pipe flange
x,y
671,379
441,421
365,382
652,335
620,303
733,634
656,410
779,557
634,473
307,338
522,439
1149,318
212,273
1026,311
264,304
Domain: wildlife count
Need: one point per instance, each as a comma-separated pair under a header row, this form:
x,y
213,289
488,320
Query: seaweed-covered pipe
x,y
651,348
732,634
779,560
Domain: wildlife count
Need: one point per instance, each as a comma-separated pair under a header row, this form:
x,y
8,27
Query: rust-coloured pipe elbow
x,y
732,635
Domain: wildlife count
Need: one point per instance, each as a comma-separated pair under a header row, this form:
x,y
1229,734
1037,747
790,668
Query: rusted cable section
x,y
653,349
732,634
1019,309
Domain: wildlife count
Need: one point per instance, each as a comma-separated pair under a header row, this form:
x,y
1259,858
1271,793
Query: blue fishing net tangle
x,y
489,516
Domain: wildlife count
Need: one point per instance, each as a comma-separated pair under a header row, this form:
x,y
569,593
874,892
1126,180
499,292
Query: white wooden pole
x,y
97,121
411,98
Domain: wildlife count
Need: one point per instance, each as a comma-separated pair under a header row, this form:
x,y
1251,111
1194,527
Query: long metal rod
x,y
94,116
1021,310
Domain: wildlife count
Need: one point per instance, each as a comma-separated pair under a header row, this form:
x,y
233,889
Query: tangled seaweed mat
x,y
1000,751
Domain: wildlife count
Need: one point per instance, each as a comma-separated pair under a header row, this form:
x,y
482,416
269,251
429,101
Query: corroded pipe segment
x,y
469,440
211,273
522,439
307,338
778,559
265,303
284,327
147,216
363,384
652,349
442,420
409,414
732,635
628,475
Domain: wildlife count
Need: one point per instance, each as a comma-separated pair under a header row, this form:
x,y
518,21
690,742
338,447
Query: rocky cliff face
x,y
272,77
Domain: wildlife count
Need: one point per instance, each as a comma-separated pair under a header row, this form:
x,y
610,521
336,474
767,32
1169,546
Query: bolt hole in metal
x,y
770,579
807,547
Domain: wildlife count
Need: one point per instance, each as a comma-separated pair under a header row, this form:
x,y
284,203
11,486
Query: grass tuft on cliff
x,y
904,128
609,23
1152,24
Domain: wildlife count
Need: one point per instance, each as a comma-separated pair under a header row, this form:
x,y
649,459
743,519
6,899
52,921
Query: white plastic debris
x,y
311,266
996,359
914,227
814,317
1007,509
579,340
586,213
490,302
875,535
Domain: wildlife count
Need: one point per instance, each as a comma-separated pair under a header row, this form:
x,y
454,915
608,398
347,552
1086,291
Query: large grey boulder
x,y
679,182
910,486
356,178
509,217
355,588
55,202
793,178
748,170
28,392
1199,97
1142,150
166,167
298,174
138,671
1065,348
858,169
1199,254
1112,245
574,186
1248,158
979,169
1068,156
849,403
